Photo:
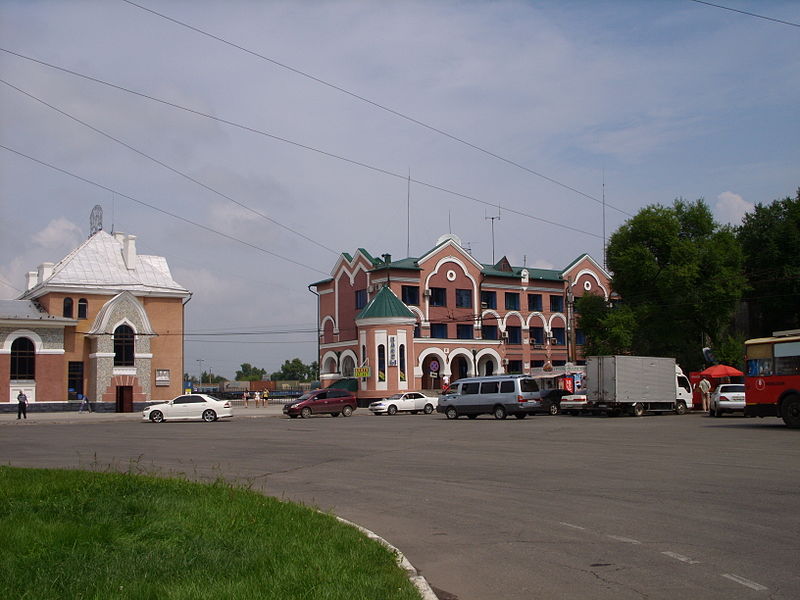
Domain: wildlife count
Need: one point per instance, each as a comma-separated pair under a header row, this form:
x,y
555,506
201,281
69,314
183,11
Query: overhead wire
x,y
375,104
158,209
736,10
401,176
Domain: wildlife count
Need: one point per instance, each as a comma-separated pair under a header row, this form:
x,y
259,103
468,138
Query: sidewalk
x,y
271,410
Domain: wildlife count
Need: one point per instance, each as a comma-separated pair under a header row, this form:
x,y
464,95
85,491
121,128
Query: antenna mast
x,y
493,218
408,216
605,265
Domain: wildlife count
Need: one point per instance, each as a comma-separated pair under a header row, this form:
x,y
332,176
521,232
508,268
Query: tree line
x,y
291,370
682,282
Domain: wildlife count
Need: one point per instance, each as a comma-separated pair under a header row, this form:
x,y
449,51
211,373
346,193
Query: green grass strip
x,y
78,534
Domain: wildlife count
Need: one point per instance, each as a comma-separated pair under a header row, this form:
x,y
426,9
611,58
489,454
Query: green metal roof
x,y
516,273
384,305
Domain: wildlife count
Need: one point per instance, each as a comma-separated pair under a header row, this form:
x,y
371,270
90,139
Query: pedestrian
x,y
445,384
84,403
265,398
22,405
257,396
705,388
244,397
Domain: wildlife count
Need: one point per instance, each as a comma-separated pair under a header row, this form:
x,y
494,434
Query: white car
x,y
190,407
412,402
728,397
574,404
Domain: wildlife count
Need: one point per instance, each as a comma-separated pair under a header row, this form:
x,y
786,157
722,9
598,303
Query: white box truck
x,y
635,384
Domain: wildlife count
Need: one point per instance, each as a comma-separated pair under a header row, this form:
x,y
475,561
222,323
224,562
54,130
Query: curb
x,y
411,572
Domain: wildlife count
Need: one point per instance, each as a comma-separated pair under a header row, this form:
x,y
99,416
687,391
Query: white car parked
x,y
728,397
191,407
412,402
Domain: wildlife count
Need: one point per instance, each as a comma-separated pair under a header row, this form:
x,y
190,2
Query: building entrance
x,y
124,399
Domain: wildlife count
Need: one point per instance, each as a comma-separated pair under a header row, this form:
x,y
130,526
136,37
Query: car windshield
x,y
305,396
739,387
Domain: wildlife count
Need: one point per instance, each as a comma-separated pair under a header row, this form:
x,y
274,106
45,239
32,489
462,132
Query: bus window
x,y
787,358
759,367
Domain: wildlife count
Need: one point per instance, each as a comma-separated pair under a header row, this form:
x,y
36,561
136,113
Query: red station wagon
x,y
332,402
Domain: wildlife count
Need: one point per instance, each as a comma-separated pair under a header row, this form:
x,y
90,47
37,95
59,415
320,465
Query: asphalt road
x,y
549,507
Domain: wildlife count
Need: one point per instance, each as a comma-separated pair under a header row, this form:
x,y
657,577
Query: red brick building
x,y
105,321
413,323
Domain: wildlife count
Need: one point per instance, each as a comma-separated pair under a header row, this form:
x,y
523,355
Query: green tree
x,y
608,330
250,373
770,239
206,377
680,274
295,369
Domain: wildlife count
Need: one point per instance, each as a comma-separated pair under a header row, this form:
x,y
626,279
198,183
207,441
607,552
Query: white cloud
x,y
59,233
731,208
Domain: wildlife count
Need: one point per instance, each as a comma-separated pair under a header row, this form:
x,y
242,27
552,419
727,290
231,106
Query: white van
x,y
497,395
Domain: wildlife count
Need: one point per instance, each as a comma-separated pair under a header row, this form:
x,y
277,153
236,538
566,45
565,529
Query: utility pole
x,y
200,378
493,218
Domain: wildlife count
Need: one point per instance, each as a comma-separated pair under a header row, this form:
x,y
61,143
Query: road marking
x,y
681,558
573,526
627,540
745,582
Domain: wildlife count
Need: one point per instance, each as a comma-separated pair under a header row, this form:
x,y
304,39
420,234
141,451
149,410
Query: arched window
x,y
68,308
83,308
123,346
381,362
23,359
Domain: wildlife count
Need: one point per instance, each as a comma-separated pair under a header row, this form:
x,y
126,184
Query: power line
x,y
166,166
351,161
391,111
161,210
736,10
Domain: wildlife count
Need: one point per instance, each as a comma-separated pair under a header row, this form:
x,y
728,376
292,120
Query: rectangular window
x,y
515,366
438,297
537,335
489,332
535,302
74,379
537,364
470,388
489,299
361,299
464,332
512,301
463,298
439,330
411,295
580,337
490,387
556,304
514,334
559,334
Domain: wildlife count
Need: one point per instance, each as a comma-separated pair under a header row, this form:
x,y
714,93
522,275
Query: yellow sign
x,y
361,372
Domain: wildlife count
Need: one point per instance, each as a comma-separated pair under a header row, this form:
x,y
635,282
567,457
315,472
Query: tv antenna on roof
x,y
493,218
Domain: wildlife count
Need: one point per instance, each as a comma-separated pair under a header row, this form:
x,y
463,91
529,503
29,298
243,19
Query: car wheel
x,y
347,411
554,408
157,416
451,413
334,414
637,410
680,407
209,415
521,416
392,410
790,411
428,409
306,412
499,412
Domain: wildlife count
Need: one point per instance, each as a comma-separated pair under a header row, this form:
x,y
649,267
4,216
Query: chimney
x,y
32,280
129,252
45,272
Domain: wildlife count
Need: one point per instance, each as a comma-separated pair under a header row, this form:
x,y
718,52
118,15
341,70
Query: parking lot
x,y
547,507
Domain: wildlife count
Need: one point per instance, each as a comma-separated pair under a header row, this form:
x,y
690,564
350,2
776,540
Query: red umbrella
x,y
719,371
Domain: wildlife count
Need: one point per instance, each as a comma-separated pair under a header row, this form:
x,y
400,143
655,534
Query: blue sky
x,y
660,99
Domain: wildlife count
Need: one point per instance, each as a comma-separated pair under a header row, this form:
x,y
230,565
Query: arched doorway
x,y
432,367
459,368
348,366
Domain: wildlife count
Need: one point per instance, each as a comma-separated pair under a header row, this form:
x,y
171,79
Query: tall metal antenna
x,y
408,216
605,265
493,220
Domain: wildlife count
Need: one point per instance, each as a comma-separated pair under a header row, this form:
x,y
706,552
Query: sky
x,y
250,143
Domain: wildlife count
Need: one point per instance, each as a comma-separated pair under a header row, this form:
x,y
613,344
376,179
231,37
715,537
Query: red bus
x,y
772,377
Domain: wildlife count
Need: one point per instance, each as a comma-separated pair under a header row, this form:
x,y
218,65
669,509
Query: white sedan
x,y
191,407
412,402
728,397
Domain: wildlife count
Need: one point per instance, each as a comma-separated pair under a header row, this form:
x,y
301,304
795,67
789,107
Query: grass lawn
x,y
78,534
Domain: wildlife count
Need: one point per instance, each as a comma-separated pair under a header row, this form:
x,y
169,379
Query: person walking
x,y
84,403
22,405
705,389
265,398
244,398
257,396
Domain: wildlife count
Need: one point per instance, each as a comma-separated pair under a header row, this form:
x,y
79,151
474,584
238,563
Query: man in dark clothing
x,y
22,405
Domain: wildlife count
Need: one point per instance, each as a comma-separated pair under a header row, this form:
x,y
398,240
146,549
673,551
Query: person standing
x,y
244,398
22,405
705,389
257,396
265,398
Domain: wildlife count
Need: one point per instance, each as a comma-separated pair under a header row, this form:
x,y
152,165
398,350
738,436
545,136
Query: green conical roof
x,y
384,305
